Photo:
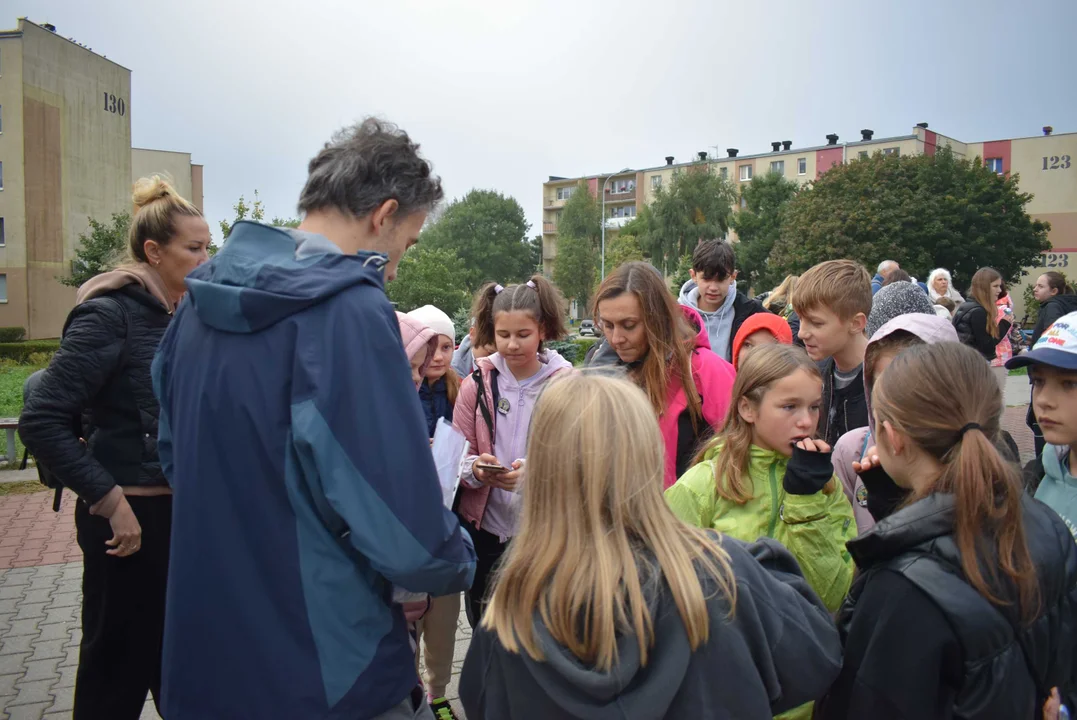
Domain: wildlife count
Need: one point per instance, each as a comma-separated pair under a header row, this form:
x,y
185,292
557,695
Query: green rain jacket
x,y
812,527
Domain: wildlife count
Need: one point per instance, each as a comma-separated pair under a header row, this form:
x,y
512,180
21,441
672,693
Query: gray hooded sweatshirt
x,y
718,323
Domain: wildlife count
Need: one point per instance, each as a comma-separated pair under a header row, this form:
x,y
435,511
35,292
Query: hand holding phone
x,y
486,468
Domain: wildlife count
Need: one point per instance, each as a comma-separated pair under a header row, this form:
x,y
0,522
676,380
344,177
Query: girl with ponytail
x,y
970,580
493,411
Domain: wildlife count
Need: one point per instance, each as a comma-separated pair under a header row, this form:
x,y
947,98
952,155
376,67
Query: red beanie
x,y
774,324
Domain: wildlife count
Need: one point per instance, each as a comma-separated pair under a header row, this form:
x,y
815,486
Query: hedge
x,y
573,350
20,352
12,334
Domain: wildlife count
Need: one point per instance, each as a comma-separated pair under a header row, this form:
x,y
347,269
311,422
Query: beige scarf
x,y
135,273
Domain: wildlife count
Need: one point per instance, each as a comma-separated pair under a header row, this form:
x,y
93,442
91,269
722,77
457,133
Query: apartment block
x,y
65,157
1046,163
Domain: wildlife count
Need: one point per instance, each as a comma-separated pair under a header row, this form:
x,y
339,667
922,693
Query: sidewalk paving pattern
x,y
41,595
40,601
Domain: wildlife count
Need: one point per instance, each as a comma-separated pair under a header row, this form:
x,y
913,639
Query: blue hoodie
x,y
287,407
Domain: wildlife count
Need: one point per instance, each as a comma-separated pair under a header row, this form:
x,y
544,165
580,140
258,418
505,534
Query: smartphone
x,y
492,468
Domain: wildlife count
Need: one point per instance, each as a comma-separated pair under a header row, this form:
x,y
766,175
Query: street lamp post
x,y
622,172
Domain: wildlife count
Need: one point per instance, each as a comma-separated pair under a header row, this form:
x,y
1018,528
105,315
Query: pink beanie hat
x,y
416,336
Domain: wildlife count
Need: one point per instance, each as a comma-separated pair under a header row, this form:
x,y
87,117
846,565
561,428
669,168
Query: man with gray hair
x,y
882,274
293,438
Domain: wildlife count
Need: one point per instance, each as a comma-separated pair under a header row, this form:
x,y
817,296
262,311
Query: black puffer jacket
x,y
970,322
102,370
921,642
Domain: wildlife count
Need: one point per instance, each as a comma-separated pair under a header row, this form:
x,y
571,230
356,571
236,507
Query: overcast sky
x,y
503,93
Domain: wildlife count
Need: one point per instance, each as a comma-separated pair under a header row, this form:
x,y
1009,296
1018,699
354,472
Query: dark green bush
x,y
568,350
20,352
12,334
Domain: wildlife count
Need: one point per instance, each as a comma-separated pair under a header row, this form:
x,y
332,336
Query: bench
x,y
9,426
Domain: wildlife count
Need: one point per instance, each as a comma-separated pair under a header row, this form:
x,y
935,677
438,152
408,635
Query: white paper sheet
x,y
449,448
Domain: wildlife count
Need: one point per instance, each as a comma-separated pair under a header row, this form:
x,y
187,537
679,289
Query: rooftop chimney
x,y
831,139
922,125
776,146
702,154
866,134
669,159
49,26
1047,129
786,144
732,152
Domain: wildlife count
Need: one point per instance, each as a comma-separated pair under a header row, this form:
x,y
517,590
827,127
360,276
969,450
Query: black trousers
x,y
488,552
123,614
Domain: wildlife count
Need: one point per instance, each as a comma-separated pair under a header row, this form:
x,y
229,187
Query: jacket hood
x,y
551,362
1068,303
931,329
417,336
690,296
139,274
695,319
264,274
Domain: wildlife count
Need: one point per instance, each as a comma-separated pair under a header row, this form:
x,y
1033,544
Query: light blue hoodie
x,y
1058,490
719,323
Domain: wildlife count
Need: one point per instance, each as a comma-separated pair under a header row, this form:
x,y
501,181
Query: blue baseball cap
x,y
1057,347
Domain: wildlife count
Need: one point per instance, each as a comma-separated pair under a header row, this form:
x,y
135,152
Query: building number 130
x,y
1056,162
118,106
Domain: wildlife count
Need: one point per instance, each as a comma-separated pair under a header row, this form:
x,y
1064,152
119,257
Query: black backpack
x,y
44,475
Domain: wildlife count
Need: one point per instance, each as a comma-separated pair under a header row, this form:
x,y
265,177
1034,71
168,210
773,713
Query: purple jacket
x,y
851,446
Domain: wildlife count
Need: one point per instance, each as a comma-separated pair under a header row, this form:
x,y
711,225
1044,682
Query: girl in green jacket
x,y
764,475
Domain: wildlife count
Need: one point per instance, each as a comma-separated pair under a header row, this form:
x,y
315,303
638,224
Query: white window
x,y
3,287
743,202
623,212
891,151
656,182
778,166
994,164
619,187
565,193
724,172
862,155
802,166
745,173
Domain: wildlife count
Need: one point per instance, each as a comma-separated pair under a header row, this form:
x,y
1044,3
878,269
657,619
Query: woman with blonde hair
x,y
607,606
101,374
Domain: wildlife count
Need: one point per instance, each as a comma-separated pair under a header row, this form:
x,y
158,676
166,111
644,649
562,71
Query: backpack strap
x,y
487,412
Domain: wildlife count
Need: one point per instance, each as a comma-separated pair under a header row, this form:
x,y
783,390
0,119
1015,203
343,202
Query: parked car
x,y
587,328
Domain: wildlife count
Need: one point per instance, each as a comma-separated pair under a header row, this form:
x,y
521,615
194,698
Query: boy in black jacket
x,y
833,300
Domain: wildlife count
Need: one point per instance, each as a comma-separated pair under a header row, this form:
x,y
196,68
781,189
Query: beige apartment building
x,y
65,156
1047,164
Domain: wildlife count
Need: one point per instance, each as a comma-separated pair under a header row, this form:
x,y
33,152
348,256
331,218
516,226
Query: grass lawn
x,y
12,378
21,487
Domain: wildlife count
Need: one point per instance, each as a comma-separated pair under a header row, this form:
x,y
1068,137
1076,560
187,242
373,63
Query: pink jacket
x,y
713,377
468,419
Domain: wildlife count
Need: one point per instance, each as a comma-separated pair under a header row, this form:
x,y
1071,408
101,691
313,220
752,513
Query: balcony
x,y
548,228
552,204
617,222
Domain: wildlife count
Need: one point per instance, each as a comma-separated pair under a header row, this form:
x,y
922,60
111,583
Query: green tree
x,y
100,250
759,225
581,217
697,206
535,259
621,249
575,267
254,212
681,275
487,231
429,276
923,211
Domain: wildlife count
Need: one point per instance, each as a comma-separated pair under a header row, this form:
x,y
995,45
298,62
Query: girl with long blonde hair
x,y
976,319
606,603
